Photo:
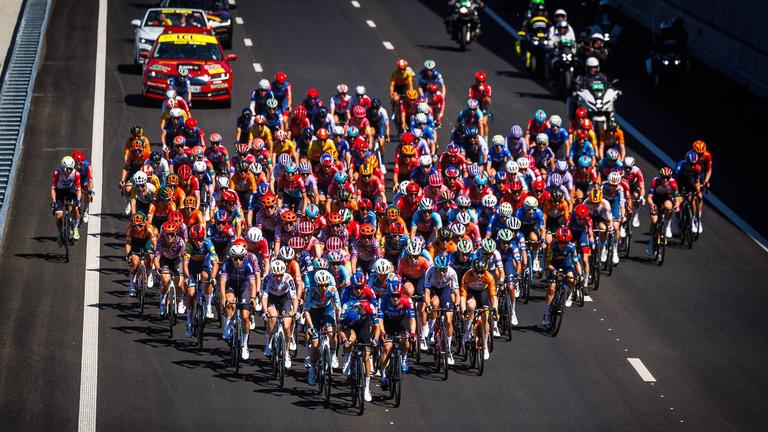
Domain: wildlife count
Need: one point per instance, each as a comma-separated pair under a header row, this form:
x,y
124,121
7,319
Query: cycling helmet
x,y
435,180
254,235
531,203
304,168
320,263
394,287
441,262
473,170
342,88
592,61
335,256
78,156
542,138
692,157
665,172
366,169
452,172
539,185
540,116
155,157
229,196
463,201
489,201
464,246
190,201
516,131
506,209
264,84
175,113
288,216
138,219
322,134
277,267
382,266
585,124
629,161
595,196
169,228
262,189
271,103
401,64
396,228
581,211
472,104
221,216
367,230
585,161
408,150
306,228
359,111
147,169
67,162
523,163
481,179
344,194
516,186
561,166
563,234
323,277
699,146
138,130
166,194
199,167
197,232
458,229
139,178
185,172
480,76
268,200
432,87
422,108
463,217
581,112
612,154
286,253
556,120
412,94
514,223
425,161
190,123
488,245
505,235
420,118
513,167
557,195
614,178
413,248
479,265
426,204
498,140
358,278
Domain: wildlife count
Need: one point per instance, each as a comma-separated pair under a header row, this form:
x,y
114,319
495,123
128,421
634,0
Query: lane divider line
x,y
355,3
659,153
388,45
248,42
90,344
257,67
641,370
370,23
238,20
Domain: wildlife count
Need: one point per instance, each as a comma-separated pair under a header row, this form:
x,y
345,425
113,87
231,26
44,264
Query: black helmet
x,y
376,103
307,134
155,157
247,113
137,130
479,265
322,111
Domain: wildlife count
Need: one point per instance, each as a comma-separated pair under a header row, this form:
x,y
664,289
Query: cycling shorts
x,y
553,223
418,284
394,326
170,265
362,329
481,298
141,246
444,293
322,317
282,303
63,195
197,267
241,290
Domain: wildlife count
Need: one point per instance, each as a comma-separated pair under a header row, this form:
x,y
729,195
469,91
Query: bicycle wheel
x,y
609,261
417,348
281,357
327,375
687,228
595,268
170,308
508,313
628,237
200,322
395,387
360,384
444,352
472,352
237,343
558,308
480,355
64,236
142,279
491,323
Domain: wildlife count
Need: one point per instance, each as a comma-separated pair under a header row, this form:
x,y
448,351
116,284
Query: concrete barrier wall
x,y
731,37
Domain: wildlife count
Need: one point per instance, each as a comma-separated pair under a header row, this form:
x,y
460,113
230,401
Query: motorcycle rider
x,y
561,17
671,38
454,6
592,74
594,47
560,39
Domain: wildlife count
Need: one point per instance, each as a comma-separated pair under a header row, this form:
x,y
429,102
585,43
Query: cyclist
x,y
283,92
688,177
412,268
600,210
613,192
379,121
200,263
140,241
169,252
399,83
478,290
133,164
66,187
340,104
633,175
663,193
358,322
561,255
511,249
426,222
441,287
278,296
533,227
430,75
260,96
612,138
396,315
705,162
137,133
238,283
321,308
481,91
365,250
83,166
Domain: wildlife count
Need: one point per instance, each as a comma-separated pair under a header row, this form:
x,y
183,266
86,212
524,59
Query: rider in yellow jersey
x,y
400,82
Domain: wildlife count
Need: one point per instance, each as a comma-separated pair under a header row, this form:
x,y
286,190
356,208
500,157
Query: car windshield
x,y
197,4
160,18
188,51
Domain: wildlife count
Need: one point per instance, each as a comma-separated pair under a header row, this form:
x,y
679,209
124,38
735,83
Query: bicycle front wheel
x,y
281,358
327,375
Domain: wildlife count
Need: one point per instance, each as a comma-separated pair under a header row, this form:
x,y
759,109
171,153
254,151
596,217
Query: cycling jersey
x,y
563,258
474,282
436,279
66,182
402,78
167,248
395,311
424,79
279,285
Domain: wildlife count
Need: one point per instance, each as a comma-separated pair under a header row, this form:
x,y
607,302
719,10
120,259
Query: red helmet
x,y
215,138
364,204
380,208
563,234
191,123
313,93
412,188
665,172
432,87
480,76
297,242
300,112
367,229
402,64
185,172
175,217
586,123
243,148
334,243
306,227
168,227
435,180
178,140
268,200
407,138
78,156
582,134
581,211
322,133
396,228
280,77
358,111
229,196
516,185
453,149
360,144
539,185
581,112
197,232
335,218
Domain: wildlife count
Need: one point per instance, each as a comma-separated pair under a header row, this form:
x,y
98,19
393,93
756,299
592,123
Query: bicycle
x,y
440,348
505,313
557,308
357,376
278,347
526,279
170,306
594,261
475,347
199,312
418,301
140,282
394,370
685,220
324,365
235,340
67,228
609,244
625,243
660,239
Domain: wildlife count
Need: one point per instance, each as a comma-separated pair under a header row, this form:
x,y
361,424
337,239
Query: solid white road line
x,y
370,23
90,344
257,67
710,197
355,3
388,45
238,20
641,370
248,42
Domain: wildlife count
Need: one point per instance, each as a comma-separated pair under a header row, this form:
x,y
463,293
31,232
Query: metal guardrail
x,y
16,94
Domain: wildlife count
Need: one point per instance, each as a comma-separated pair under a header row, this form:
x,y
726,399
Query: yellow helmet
x,y
412,94
366,169
596,196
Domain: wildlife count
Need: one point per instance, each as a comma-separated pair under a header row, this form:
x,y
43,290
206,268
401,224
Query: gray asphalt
x,y
696,323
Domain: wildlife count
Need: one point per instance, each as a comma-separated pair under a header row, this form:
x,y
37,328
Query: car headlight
x,y
146,41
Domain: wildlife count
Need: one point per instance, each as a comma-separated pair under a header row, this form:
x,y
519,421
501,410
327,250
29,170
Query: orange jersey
x,y
243,182
413,270
473,281
195,217
161,208
128,146
555,210
148,232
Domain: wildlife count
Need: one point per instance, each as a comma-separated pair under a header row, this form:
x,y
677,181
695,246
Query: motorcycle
x,y
536,48
669,67
464,23
606,27
599,102
563,65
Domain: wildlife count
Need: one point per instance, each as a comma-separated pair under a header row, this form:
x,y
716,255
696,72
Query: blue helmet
x,y
441,262
340,177
352,131
394,286
312,210
473,131
221,216
540,116
691,157
262,189
352,314
358,278
481,180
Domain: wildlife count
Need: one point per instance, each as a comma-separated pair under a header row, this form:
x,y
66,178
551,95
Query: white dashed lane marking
x,y
257,67
370,23
238,20
641,370
388,45
248,42
355,3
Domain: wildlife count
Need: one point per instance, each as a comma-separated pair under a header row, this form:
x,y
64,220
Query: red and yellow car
x,y
198,52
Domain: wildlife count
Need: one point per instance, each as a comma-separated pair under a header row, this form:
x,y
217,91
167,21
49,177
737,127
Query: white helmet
x,y
541,138
139,178
614,178
498,140
382,266
323,277
254,235
523,163
338,130
489,201
176,112
264,84
287,253
463,217
592,62
67,162
199,167
404,186
629,161
597,36
458,229
512,167
360,90
555,120
413,248
170,94
429,64
277,267
425,160
342,88
238,250
421,118
256,168
505,209
422,107
514,223
417,132
222,181
530,203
